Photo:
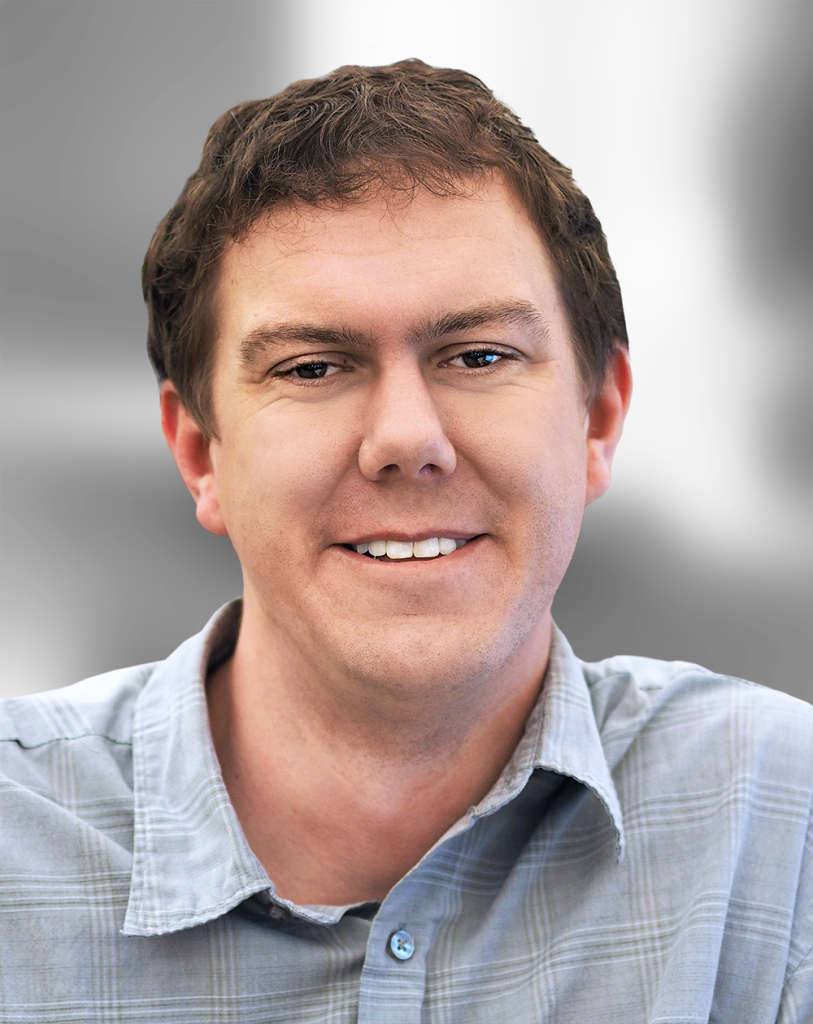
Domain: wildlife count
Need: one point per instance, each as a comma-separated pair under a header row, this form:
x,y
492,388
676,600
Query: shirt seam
x,y
64,739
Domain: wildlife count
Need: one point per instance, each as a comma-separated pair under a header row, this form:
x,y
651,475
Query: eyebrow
x,y
521,314
258,341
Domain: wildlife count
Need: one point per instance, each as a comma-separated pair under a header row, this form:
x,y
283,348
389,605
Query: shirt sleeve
x,y
797,995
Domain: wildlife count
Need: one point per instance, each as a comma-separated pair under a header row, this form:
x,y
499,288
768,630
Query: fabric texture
x,y
645,856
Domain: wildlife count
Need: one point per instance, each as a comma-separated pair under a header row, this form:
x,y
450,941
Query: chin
x,y
414,659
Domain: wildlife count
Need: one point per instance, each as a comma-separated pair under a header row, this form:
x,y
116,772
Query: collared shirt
x,y
645,856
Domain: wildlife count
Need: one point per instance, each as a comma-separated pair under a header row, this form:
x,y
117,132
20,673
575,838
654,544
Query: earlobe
x,y
605,422
192,453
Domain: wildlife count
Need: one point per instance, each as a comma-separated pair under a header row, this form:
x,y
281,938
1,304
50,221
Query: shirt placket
x,y
393,979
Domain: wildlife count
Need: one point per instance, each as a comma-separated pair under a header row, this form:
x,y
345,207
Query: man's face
x,y
399,371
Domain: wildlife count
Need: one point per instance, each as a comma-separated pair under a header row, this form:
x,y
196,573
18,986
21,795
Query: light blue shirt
x,y
645,856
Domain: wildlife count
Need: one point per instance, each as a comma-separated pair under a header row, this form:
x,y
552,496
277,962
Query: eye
x,y
311,371
315,370
476,359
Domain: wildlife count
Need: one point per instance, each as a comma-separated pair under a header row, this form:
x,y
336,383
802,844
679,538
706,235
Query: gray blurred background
x,y
689,126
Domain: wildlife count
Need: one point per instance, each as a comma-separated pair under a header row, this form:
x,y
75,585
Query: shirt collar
x,y
191,860
562,736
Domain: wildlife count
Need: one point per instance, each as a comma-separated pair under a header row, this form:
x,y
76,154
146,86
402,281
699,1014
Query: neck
x,y
342,785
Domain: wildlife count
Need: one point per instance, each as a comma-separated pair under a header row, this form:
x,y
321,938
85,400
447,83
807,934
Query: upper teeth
x,y
395,549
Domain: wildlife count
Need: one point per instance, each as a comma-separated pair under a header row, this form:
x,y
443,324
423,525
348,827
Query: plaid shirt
x,y
645,856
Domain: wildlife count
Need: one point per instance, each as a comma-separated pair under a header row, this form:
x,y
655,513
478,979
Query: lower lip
x,y
454,555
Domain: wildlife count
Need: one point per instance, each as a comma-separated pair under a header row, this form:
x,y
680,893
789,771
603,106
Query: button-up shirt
x,y
645,856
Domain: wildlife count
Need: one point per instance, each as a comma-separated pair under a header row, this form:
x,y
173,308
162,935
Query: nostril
x,y
388,450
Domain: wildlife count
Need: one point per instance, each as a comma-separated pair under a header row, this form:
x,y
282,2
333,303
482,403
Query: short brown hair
x,y
330,139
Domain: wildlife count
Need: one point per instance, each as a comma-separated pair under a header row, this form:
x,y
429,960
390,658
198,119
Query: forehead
x,y
382,263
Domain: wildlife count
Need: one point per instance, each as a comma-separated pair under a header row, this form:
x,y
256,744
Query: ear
x,y
192,453
605,421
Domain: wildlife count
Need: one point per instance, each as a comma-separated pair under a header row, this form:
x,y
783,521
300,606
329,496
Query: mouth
x,y
387,550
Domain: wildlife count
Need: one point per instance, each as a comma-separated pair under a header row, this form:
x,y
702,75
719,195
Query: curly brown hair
x,y
333,139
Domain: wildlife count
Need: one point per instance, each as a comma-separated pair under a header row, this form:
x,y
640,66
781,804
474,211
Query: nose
x,y
403,433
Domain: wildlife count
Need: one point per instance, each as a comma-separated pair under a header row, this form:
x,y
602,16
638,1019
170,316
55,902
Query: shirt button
x,y
401,945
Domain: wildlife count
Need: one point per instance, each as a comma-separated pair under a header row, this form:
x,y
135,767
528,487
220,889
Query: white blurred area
x,y
687,124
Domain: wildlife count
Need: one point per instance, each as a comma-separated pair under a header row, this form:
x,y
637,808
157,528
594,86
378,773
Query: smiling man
x,y
381,787
391,377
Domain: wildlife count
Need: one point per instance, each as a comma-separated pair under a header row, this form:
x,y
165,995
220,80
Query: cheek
x,y
277,470
530,447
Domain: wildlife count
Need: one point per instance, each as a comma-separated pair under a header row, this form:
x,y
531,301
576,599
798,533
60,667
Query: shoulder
x,y
100,706
627,690
66,781
70,747
714,776
66,794
688,711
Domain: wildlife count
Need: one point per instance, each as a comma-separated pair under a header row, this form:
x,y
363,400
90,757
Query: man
x,y
381,787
